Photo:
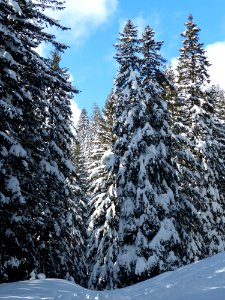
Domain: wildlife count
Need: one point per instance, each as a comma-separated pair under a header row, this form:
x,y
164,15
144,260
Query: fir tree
x,y
61,242
146,185
23,78
196,151
80,160
81,149
26,145
192,63
103,210
106,123
217,97
143,203
102,226
93,134
171,91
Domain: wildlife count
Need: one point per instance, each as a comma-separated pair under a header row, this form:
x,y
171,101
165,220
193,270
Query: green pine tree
x,y
35,216
142,190
103,210
196,150
145,178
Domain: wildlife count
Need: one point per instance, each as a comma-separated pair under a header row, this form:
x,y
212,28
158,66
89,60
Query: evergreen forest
x,y
133,191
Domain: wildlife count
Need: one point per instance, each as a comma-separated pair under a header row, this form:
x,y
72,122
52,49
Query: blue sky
x,y
95,26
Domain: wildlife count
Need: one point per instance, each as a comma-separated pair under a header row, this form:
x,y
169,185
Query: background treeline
x,y
139,191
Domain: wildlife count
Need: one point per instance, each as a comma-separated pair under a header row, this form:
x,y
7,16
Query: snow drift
x,y
204,280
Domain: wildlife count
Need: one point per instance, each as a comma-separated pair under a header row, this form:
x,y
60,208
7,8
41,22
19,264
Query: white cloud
x,y
83,16
76,112
216,56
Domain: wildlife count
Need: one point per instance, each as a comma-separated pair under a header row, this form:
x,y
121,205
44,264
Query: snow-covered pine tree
x,y
80,160
25,78
82,128
103,206
100,133
216,96
170,90
93,134
203,208
81,149
61,242
145,178
106,123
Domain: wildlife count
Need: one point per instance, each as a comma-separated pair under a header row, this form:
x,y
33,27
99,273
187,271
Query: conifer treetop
x,y
128,45
192,63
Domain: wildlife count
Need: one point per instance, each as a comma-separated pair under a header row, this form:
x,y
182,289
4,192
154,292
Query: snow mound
x,y
204,280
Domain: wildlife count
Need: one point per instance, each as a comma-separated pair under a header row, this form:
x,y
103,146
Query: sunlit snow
x,y
204,280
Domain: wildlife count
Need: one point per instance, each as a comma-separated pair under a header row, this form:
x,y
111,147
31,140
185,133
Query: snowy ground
x,y
203,280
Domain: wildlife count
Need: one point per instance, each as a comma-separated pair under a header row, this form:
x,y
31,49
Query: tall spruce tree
x,y
81,149
217,97
103,210
24,143
96,119
106,123
23,79
192,63
145,178
203,208
61,242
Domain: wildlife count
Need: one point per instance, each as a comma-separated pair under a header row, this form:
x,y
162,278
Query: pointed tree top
x,y
128,46
148,40
129,27
190,17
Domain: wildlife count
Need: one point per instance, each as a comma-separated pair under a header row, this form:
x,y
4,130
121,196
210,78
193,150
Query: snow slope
x,y
204,280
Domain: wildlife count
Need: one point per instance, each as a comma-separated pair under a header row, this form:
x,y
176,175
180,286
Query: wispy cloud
x,y
216,56
84,16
